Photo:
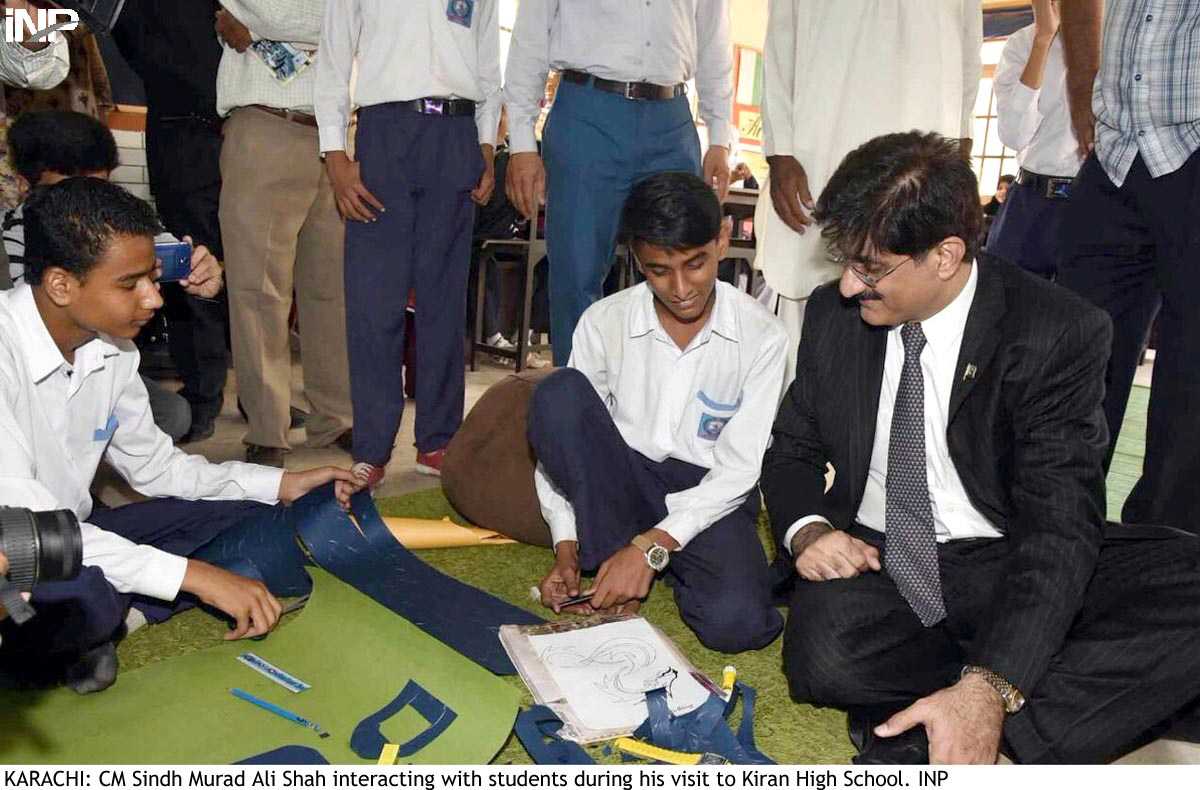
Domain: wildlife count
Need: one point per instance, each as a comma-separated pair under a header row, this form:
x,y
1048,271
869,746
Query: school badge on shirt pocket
x,y
460,11
105,433
712,421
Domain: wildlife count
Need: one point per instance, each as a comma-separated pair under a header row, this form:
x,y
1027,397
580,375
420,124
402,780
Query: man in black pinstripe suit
x,y
959,577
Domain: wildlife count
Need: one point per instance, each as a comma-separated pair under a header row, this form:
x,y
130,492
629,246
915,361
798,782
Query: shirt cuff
x,y
161,575
720,134
261,483
562,529
332,138
799,525
681,526
522,140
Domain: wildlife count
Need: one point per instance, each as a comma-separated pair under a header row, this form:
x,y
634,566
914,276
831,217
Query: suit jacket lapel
x,y
980,337
868,379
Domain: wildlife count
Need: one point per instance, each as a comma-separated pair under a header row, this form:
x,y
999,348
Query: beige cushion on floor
x,y
487,473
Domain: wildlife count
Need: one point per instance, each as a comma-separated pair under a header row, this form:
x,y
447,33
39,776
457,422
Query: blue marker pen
x,y
278,711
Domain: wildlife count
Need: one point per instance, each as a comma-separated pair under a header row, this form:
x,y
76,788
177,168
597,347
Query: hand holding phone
x,y
175,259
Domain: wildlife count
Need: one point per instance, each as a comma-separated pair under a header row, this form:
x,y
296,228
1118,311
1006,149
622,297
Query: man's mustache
x,y
868,296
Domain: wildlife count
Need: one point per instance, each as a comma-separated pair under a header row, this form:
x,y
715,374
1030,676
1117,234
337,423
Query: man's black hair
x,y
901,193
71,224
673,211
60,141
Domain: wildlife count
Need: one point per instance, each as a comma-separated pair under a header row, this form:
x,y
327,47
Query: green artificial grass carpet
x,y
787,732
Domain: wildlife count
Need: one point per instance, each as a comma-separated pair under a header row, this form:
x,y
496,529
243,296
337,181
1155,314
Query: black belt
x,y
436,105
630,90
1046,186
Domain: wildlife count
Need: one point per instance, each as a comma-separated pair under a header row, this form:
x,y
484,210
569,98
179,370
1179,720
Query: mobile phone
x,y
175,258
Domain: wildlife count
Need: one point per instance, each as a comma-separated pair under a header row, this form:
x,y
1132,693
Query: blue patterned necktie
x,y
910,545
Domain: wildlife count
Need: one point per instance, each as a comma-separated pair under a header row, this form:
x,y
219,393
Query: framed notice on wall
x,y
747,97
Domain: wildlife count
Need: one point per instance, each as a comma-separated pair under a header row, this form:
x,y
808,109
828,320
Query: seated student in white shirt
x,y
47,146
650,444
70,395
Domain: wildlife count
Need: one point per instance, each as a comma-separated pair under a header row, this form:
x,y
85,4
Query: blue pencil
x,y
278,711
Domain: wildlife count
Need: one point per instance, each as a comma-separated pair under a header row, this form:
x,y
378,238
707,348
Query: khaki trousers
x,y
281,230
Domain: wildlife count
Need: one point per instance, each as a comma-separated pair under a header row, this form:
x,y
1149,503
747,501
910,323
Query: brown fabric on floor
x,y
487,473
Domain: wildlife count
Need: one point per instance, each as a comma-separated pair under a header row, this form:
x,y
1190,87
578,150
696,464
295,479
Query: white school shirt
x,y
837,73
1036,123
665,42
406,50
711,405
58,420
954,517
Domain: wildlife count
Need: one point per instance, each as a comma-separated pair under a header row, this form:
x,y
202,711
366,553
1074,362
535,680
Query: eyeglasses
x,y
857,267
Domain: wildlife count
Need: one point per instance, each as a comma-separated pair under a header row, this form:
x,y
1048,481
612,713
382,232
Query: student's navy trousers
x,y
720,578
422,168
1028,231
73,616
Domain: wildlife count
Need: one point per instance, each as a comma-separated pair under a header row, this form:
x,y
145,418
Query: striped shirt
x,y
243,79
1147,94
13,226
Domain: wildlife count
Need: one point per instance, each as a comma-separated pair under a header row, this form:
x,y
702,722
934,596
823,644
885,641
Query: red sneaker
x,y
369,474
430,463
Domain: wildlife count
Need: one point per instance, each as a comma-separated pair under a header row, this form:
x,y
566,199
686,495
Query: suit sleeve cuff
x,y
799,525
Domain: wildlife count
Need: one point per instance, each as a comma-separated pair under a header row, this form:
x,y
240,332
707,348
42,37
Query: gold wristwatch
x,y
657,556
1014,700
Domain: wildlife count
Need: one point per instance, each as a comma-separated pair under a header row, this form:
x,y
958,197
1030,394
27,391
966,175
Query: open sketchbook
x,y
594,673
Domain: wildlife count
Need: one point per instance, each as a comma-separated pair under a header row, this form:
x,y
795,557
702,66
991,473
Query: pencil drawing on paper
x,y
621,665
604,672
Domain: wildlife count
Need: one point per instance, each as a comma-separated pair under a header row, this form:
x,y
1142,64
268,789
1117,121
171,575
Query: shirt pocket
x,y
713,414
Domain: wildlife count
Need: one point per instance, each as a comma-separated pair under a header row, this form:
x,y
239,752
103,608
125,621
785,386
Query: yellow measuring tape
x,y
651,752
389,754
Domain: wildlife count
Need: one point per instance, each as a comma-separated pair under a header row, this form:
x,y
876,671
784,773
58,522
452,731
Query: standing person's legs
x,y
1167,492
1131,659
321,308
378,277
1027,231
445,213
666,140
1108,258
266,195
586,147
185,176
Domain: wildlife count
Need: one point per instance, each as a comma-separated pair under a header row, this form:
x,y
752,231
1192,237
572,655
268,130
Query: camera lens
x,y
40,547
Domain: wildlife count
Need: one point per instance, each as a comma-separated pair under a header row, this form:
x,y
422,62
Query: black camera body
x,y
40,547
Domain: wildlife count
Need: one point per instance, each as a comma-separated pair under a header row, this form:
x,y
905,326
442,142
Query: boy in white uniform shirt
x,y
70,395
650,443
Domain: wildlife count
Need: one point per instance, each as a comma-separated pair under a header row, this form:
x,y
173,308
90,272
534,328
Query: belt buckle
x,y
1058,187
433,106
629,90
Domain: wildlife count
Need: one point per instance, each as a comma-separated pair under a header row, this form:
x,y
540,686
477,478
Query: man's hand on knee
x,y
562,582
833,554
963,723
252,606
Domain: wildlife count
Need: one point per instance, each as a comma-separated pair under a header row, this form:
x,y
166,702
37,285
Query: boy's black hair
x,y
60,141
672,211
71,224
901,193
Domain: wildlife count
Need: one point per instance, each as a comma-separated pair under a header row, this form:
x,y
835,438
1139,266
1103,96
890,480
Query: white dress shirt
x,y
243,79
406,50
837,73
665,400
954,517
665,42
1036,123
57,420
